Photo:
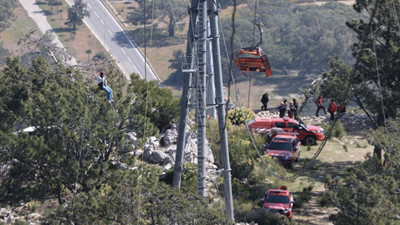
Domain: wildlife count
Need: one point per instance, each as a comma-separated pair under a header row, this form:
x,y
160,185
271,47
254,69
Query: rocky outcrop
x,y
162,151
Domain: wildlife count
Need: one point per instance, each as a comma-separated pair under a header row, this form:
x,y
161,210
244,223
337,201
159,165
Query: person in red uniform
x,y
319,105
332,109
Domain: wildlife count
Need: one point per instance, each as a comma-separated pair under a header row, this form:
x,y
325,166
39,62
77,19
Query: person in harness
x,y
102,83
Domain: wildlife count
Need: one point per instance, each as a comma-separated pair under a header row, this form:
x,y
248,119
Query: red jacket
x,y
332,107
319,101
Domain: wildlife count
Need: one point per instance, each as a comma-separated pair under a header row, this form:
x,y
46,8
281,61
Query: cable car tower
x,y
202,71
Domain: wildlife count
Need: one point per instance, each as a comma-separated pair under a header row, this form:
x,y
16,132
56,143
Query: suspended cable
x,y
381,101
146,98
174,19
79,157
254,33
396,15
231,53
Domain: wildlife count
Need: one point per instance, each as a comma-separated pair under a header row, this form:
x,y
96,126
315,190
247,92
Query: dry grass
x,y
332,161
77,42
20,24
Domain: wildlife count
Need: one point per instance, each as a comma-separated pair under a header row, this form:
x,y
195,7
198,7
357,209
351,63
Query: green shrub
x,y
337,132
236,117
303,197
100,56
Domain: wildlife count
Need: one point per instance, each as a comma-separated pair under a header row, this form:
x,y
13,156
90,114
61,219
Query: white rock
x,y
170,137
157,157
33,217
4,212
132,138
152,141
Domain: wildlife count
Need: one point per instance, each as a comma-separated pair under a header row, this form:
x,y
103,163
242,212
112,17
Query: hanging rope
x,y
147,96
381,101
79,157
254,32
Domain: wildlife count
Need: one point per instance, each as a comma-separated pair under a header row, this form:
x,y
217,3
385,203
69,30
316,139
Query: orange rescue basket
x,y
253,60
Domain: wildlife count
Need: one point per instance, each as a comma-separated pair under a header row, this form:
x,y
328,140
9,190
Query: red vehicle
x,y
285,147
307,134
278,200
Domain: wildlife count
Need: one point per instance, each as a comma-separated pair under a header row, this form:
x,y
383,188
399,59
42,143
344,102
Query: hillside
x,y
89,159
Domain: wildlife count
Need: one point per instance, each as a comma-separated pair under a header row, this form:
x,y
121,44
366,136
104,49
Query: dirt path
x,y
349,2
40,19
333,161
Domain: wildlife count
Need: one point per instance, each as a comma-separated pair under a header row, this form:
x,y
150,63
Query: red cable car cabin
x,y
253,60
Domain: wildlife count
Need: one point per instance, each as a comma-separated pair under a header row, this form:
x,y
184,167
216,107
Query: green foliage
x,y
298,37
188,179
99,56
365,195
236,116
376,72
155,108
174,10
3,54
136,197
76,131
338,130
6,12
76,13
302,197
367,192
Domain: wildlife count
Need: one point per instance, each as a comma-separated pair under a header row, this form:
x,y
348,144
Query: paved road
x,y
105,27
38,16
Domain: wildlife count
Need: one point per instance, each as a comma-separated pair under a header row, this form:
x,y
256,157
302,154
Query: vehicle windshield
x,y
277,199
280,146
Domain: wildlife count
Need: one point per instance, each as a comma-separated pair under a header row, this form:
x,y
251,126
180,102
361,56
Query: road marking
x,y
88,4
134,67
102,22
123,51
95,13
129,58
110,32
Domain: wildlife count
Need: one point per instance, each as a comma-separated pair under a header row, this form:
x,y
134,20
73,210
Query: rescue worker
x,y
102,83
282,109
264,101
318,102
332,109
292,109
296,106
341,110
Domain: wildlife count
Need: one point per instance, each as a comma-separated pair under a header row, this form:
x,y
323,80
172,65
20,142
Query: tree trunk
x,y
378,152
380,122
171,27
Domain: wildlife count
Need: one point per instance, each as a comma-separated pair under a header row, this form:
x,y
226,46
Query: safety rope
x,y
79,157
174,19
146,100
254,33
381,101
395,14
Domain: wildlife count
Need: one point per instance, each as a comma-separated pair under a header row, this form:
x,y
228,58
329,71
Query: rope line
x,y
147,97
381,100
79,157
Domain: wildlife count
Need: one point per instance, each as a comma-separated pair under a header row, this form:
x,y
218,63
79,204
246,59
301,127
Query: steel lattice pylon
x,y
203,70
